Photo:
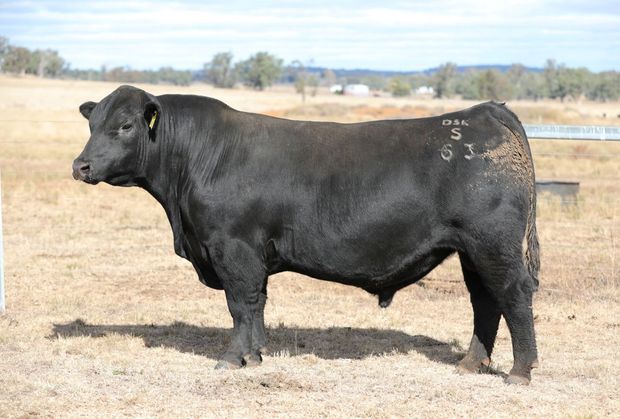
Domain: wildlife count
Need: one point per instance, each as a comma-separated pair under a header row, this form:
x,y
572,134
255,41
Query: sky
x,y
379,35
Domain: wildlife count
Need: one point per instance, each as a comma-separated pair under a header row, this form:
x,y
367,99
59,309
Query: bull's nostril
x,y
81,169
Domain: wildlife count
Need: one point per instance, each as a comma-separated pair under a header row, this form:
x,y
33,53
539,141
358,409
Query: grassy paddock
x,y
103,319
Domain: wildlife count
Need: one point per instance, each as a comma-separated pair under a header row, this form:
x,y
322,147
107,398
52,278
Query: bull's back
x,y
415,162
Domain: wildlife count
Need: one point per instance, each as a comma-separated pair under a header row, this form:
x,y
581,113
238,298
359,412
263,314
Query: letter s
x,y
456,134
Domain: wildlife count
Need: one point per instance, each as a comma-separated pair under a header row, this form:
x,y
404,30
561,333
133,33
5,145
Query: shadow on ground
x,y
331,343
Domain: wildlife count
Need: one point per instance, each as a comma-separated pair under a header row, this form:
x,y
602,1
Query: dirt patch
x,y
265,383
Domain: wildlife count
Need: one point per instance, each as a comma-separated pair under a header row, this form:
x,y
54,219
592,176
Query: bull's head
x,y
121,126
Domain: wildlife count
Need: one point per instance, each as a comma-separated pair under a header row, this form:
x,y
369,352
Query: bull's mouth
x,y
90,180
84,178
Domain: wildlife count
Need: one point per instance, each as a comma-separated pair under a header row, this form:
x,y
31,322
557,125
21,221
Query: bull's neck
x,y
180,147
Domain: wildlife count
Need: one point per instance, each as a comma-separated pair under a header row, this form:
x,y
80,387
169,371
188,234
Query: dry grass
x,y
104,320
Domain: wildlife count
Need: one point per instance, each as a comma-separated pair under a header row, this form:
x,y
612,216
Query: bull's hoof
x,y
226,365
467,366
262,350
518,380
252,360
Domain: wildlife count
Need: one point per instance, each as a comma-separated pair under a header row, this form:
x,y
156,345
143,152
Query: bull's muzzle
x,y
81,170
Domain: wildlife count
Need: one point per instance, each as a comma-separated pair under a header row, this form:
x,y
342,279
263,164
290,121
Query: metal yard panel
x,y
573,132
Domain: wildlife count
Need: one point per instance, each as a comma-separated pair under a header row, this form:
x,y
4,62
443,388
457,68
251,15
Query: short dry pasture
x,y
104,320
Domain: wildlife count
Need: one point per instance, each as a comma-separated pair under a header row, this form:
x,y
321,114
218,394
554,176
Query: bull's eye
x,y
126,127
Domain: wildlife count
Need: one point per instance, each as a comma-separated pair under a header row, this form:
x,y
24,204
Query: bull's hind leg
x,y
486,321
505,276
517,310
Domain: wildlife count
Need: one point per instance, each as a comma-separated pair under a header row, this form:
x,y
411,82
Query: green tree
x,y
533,86
605,86
313,84
46,63
493,85
575,82
16,60
220,70
516,74
375,82
170,75
562,82
443,79
466,85
300,76
399,87
303,79
56,65
260,70
553,88
4,48
329,77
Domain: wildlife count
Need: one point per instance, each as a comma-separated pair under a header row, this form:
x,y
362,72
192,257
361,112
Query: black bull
x,y
376,205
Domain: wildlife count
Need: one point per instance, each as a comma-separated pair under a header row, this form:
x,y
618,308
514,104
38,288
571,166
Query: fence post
x,y
2,307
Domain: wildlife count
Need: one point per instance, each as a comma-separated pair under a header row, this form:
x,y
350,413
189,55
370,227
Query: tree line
x,y
554,81
48,63
262,69
20,60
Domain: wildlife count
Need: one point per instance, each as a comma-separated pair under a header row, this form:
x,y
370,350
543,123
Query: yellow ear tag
x,y
153,119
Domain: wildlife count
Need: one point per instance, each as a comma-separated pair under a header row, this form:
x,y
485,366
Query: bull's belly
x,y
406,272
370,265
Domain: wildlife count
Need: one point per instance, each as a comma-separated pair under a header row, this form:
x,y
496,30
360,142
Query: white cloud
x,y
397,35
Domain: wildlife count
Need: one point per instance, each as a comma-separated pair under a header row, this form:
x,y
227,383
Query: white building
x,y
425,90
356,90
336,89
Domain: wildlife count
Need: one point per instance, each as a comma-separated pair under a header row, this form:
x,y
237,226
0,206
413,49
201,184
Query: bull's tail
x,y
532,251
531,255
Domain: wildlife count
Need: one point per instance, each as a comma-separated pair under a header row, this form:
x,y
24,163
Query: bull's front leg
x,y
243,278
239,353
259,337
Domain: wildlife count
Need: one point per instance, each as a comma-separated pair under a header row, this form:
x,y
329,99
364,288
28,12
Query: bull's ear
x,y
86,108
152,115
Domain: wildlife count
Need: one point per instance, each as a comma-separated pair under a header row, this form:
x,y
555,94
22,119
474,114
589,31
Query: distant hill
x,y
360,72
499,67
